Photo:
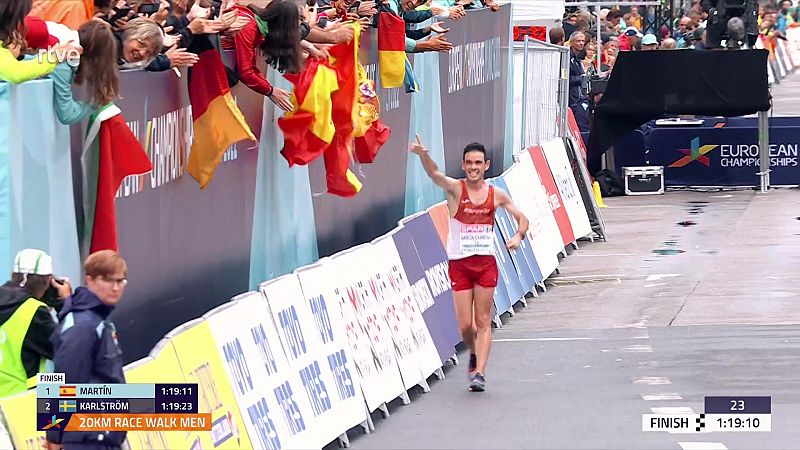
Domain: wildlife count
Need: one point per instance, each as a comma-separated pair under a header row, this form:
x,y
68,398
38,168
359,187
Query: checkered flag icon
x,y
700,422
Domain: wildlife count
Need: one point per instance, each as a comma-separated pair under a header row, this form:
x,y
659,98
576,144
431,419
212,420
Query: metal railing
x,y
545,91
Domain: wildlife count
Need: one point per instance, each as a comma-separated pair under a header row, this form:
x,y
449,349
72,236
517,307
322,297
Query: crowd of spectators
x,y
635,28
88,42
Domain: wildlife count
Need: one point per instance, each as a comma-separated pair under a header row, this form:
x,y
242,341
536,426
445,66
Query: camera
x,y
50,297
743,30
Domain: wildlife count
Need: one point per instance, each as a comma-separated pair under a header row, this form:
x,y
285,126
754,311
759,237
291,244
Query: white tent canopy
x,y
526,11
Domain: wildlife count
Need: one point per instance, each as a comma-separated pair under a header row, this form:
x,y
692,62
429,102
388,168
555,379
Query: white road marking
x,y
659,397
638,349
652,380
702,446
672,410
654,285
544,339
661,276
608,254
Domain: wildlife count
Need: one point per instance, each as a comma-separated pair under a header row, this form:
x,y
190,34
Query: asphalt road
x,y
694,295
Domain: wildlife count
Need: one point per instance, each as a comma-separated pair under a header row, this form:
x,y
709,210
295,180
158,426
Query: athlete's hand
x,y
417,148
513,244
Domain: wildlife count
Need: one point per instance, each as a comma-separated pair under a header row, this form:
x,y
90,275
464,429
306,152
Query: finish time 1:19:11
x,y
179,390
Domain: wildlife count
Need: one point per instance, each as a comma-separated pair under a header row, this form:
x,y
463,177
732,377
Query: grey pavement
x,y
786,96
659,316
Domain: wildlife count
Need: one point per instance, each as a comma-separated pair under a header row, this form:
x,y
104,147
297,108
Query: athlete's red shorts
x,y
473,270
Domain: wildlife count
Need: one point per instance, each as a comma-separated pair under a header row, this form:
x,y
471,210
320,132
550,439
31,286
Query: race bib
x,y
477,239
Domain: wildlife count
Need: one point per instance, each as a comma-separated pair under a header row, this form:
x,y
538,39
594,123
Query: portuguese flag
x,y
218,122
111,152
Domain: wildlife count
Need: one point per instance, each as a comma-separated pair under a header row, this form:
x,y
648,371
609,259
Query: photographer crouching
x,y
27,319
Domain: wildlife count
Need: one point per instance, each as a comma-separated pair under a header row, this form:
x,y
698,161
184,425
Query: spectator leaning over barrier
x,y
420,15
140,42
274,30
437,43
26,322
96,73
577,42
85,342
12,46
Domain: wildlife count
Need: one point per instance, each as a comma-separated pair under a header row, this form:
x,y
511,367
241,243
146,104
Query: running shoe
x,y
478,383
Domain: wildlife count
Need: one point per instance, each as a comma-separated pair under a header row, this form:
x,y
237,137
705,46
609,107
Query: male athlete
x,y
470,247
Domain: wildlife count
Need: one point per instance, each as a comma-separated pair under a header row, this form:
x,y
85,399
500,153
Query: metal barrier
x,y
545,91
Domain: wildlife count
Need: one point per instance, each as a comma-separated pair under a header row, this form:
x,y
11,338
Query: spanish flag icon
x,y
67,391
67,406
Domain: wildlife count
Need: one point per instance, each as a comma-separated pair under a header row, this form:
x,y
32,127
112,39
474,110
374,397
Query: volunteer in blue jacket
x,y
85,343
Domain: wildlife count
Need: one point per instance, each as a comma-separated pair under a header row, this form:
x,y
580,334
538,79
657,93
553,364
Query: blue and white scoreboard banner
x,y
722,414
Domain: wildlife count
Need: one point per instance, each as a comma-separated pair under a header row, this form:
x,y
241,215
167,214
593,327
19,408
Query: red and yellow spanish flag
x,y
391,49
308,129
344,59
327,115
218,122
370,133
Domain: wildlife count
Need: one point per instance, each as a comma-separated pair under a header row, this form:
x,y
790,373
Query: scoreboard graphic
x,y
117,407
720,414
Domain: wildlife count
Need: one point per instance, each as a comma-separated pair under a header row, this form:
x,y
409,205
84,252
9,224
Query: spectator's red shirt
x,y
246,44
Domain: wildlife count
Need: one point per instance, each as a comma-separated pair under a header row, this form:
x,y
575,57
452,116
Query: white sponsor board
x,y
526,188
557,159
401,310
269,394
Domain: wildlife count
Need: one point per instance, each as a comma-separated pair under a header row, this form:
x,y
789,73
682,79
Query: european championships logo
x,y
53,423
696,153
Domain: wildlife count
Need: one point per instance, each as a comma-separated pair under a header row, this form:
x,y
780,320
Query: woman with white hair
x,y
140,43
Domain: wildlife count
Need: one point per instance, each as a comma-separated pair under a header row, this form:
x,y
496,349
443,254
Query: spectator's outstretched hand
x,y
365,23
343,34
198,11
319,51
457,12
439,43
282,98
179,57
15,49
205,26
437,27
171,39
367,9
160,17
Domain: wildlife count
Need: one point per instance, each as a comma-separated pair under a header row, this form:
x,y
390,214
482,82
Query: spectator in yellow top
x,y
12,41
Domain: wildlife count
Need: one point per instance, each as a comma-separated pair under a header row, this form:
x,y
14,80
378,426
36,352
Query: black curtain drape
x,y
648,85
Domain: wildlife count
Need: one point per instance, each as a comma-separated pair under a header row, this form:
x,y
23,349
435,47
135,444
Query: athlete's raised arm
x,y
443,181
502,199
